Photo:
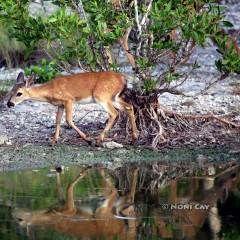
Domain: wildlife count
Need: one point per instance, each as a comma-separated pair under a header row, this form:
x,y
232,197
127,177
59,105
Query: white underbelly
x,y
86,100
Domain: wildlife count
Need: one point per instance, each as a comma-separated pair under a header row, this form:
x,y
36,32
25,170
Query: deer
x,y
104,88
115,216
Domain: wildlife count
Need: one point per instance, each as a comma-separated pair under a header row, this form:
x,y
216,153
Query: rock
x,y
221,112
112,145
211,170
8,143
117,160
91,154
9,74
234,151
3,139
188,103
201,159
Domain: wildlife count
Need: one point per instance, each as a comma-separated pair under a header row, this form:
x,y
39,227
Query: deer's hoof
x,y
98,142
95,143
53,142
134,141
90,142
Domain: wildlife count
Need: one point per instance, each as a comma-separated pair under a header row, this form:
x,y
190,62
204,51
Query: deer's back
x,y
85,85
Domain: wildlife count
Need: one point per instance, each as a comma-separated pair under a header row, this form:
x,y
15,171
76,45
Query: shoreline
x,y
32,156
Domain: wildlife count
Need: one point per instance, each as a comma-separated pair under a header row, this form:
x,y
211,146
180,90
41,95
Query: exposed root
x,y
151,177
205,117
159,128
158,125
151,126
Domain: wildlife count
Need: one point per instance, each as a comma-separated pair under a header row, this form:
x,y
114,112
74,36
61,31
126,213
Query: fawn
x,y
104,88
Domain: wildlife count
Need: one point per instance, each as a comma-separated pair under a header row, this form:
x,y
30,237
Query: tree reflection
x,y
131,201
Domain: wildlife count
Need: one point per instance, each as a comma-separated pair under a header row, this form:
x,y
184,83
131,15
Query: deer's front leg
x,y
69,110
58,124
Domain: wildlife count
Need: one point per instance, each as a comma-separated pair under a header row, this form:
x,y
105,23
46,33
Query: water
x,y
126,201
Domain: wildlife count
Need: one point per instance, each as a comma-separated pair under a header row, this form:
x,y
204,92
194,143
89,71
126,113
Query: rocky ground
x,y
33,123
25,133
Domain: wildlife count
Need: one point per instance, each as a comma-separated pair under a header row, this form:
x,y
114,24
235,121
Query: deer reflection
x,y
125,214
114,217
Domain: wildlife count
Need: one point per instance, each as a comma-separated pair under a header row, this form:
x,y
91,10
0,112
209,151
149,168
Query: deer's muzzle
x,y
10,104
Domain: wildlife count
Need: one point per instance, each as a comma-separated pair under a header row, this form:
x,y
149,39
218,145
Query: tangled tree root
x,y
158,125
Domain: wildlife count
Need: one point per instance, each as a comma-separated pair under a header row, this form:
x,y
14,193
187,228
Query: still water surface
x,y
130,201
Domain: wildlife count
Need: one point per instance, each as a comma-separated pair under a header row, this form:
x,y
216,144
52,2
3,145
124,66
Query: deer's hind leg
x,y
110,194
124,106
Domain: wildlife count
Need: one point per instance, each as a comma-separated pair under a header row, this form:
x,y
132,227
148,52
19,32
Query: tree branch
x,y
139,27
80,9
124,43
146,13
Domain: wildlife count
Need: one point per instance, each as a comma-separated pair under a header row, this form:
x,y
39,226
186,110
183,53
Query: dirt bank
x,y
31,156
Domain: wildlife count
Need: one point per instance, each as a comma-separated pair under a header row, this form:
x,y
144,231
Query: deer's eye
x,y
19,94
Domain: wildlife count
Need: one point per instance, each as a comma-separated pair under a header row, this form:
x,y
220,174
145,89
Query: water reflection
x,y
122,202
111,216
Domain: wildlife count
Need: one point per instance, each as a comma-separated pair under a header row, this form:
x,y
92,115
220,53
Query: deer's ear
x,y
20,78
30,81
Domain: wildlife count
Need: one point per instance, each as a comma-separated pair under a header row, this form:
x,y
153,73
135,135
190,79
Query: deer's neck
x,y
39,92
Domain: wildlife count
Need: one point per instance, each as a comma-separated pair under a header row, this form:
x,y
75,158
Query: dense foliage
x,y
157,36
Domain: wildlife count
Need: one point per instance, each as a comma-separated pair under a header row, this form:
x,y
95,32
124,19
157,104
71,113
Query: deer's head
x,y
19,92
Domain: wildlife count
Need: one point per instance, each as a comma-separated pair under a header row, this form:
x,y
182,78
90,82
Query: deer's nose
x,y
10,104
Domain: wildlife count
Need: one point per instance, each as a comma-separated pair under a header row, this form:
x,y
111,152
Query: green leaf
x,y
227,24
52,20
